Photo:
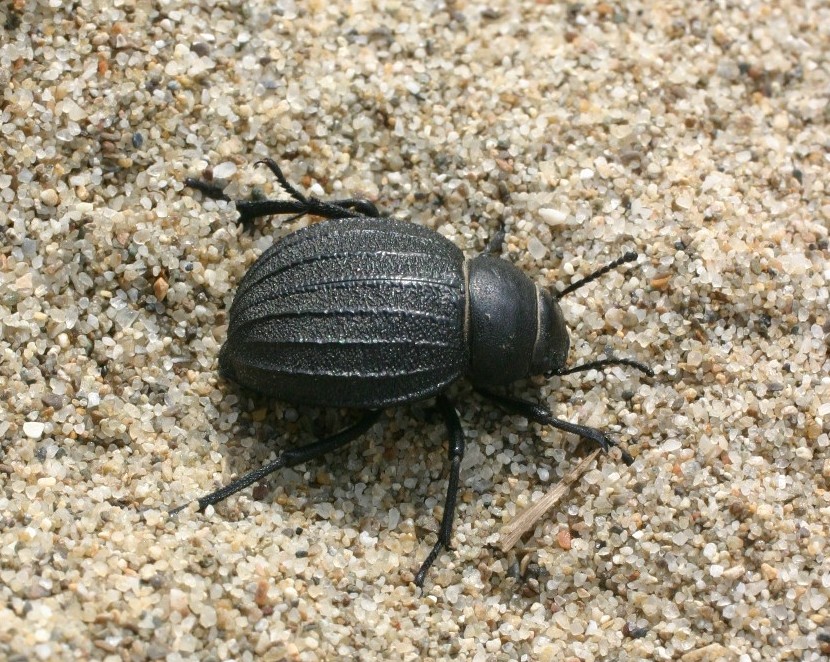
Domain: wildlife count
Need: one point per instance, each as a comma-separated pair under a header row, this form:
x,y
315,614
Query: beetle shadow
x,y
275,427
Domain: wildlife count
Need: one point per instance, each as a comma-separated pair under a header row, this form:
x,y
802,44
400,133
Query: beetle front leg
x,y
289,458
456,455
604,363
542,415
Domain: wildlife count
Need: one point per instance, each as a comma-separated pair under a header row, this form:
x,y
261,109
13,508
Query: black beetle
x,y
368,312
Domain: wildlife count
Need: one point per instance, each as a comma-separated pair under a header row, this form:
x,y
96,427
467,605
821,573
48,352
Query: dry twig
x,y
514,530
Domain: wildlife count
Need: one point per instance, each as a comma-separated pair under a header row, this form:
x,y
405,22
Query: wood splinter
x,y
523,522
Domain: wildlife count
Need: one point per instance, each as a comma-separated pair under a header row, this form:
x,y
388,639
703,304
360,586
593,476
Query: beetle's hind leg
x,y
543,416
362,206
299,205
208,189
328,209
456,455
290,458
287,186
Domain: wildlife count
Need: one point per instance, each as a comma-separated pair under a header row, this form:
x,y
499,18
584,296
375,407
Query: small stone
x,y
49,197
553,217
536,248
160,287
734,572
672,445
224,170
683,201
33,429
768,572
661,281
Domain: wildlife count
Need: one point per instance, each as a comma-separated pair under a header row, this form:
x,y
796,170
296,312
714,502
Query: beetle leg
x,y
290,458
299,206
314,206
212,191
252,209
602,363
542,415
456,455
362,206
282,179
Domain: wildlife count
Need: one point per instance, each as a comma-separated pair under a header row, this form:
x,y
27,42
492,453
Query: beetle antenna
x,y
630,256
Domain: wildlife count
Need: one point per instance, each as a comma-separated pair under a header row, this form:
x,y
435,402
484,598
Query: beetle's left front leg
x,y
456,455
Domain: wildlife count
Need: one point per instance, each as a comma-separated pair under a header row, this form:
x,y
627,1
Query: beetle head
x,y
550,350
517,329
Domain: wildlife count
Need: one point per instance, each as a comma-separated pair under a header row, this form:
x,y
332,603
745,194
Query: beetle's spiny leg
x,y
209,189
290,458
301,205
456,455
604,363
543,416
362,206
253,209
630,256
282,179
496,241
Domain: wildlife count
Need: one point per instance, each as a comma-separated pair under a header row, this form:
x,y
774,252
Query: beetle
x,y
368,312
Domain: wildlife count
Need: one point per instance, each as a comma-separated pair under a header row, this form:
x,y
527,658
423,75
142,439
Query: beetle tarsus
x,y
456,456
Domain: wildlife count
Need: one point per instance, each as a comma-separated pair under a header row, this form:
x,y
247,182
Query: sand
x,y
694,133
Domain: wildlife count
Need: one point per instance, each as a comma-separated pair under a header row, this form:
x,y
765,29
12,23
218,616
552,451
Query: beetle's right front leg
x,y
542,415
